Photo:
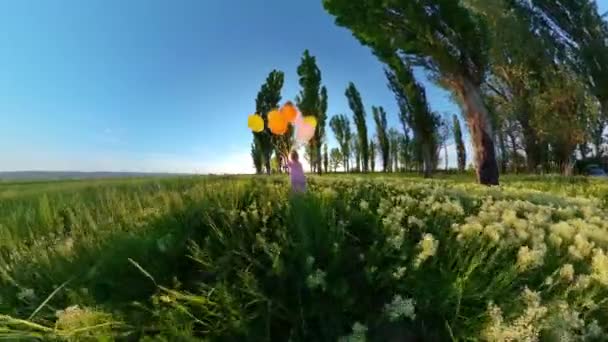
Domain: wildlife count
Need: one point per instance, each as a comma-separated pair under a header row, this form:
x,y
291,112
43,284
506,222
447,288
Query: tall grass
x,y
378,258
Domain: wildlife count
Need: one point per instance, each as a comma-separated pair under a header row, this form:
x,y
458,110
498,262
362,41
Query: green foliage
x,y
336,159
356,105
340,125
231,258
257,154
312,101
394,143
321,123
415,111
405,152
563,111
444,36
382,135
325,159
355,147
268,99
372,155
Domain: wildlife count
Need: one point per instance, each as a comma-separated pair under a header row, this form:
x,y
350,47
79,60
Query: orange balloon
x,y
277,123
289,112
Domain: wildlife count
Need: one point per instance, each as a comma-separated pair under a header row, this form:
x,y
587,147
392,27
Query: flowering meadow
x,y
369,258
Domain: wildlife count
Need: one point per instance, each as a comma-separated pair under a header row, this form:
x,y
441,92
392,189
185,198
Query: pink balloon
x,y
304,131
299,120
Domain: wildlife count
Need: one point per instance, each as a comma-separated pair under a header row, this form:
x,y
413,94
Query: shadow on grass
x,y
99,269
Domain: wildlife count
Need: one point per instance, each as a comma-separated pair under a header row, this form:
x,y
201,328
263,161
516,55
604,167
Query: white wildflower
x,y
396,240
65,247
399,272
310,260
428,248
26,295
399,308
414,221
316,280
555,240
563,230
563,323
384,207
526,327
363,205
358,335
75,317
582,247
529,258
582,282
566,273
599,267
593,330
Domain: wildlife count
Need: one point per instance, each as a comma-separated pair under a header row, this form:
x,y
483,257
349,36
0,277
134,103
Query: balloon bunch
x,y
279,121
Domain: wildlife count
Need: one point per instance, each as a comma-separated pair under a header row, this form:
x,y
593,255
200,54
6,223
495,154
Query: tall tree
x,y
348,138
459,142
395,143
405,154
372,155
415,110
445,133
341,127
258,157
355,147
321,122
336,159
564,110
268,99
325,159
356,105
583,33
309,103
382,135
309,156
519,54
443,36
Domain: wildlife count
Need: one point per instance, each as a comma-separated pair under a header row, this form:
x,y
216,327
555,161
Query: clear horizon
x,y
152,86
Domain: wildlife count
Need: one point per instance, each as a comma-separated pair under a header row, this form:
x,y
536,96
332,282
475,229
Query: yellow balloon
x,y
255,123
311,120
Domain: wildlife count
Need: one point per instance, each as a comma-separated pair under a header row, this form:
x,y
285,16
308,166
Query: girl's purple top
x,y
296,172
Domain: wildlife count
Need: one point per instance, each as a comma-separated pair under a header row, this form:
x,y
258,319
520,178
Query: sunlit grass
x,y
239,258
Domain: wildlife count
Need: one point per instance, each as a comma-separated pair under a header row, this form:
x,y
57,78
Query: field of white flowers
x,y
356,258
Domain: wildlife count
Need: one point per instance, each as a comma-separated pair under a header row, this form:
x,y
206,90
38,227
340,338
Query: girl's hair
x,y
294,155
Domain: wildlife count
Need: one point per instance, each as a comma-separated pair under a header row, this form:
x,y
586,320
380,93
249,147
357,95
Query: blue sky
x,y
149,85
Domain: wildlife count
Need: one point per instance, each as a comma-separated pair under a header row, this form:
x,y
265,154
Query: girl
x,y
296,172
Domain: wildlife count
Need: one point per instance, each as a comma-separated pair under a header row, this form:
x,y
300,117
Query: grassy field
x,y
377,258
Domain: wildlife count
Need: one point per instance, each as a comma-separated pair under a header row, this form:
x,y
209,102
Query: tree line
x,y
530,77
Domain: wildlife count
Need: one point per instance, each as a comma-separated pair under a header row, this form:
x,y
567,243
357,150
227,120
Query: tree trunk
x,y
531,145
267,165
504,159
319,159
481,133
514,158
445,148
427,158
582,148
599,134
